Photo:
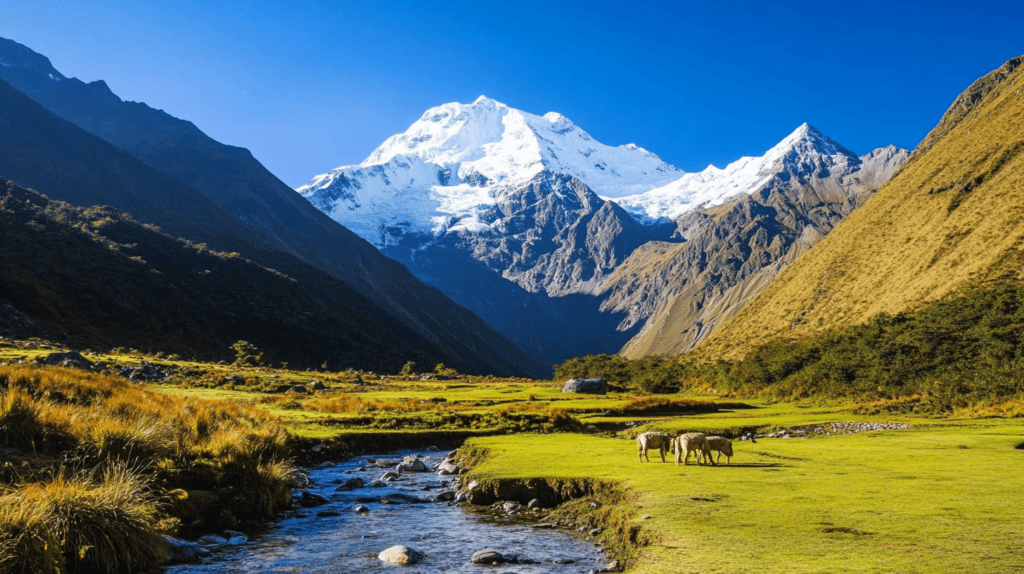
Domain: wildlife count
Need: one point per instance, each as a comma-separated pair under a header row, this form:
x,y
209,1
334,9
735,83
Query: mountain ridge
x,y
949,219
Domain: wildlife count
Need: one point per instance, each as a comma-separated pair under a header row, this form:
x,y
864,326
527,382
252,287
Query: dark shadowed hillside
x,y
95,277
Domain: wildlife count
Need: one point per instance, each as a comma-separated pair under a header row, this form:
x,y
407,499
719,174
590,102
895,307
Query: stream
x,y
311,540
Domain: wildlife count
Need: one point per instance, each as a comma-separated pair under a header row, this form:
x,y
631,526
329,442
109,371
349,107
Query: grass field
x,y
941,497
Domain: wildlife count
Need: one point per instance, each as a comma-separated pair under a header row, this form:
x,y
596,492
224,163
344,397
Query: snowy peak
x,y
489,142
804,155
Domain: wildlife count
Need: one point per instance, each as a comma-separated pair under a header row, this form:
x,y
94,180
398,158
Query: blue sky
x,y
311,85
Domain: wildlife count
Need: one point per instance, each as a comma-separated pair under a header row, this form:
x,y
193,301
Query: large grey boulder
x,y
70,359
587,386
412,463
446,468
400,555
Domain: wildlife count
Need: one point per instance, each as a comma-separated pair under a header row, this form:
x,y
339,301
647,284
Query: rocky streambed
x,y
358,515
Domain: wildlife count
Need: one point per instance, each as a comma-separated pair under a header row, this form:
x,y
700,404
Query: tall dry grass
x,y
104,519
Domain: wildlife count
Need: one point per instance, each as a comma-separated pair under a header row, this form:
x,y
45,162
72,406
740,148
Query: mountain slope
x,y
953,216
276,218
96,278
736,247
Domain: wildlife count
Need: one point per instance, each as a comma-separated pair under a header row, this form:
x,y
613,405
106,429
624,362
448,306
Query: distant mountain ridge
x,y
275,218
953,217
543,205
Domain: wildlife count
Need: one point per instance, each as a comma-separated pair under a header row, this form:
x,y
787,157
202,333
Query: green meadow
x,y
943,496
939,498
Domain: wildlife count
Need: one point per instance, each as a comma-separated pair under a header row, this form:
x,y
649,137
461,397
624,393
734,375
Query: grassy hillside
x,y
95,469
953,217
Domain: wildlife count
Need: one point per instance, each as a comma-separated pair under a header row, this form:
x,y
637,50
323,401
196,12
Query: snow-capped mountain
x,y
455,162
569,246
805,153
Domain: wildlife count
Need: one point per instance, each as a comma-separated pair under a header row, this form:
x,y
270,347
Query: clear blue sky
x,y
311,85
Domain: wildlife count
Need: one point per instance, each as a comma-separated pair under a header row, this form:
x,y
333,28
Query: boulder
x,y
211,540
309,499
412,464
235,537
447,468
400,555
361,509
70,359
389,476
400,498
298,389
446,496
317,386
487,557
586,386
184,552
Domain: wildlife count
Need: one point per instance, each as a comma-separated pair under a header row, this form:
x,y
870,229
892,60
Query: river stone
x,y
361,509
389,476
327,514
446,468
400,498
563,561
412,464
535,503
354,483
487,557
587,386
235,537
308,499
446,495
183,552
400,555
211,540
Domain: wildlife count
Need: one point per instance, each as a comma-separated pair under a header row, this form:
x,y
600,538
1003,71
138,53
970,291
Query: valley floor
x,y
941,496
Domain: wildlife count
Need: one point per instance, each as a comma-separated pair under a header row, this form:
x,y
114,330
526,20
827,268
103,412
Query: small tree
x,y
408,369
247,354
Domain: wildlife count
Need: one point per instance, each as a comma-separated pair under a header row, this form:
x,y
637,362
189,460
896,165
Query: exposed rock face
x,y
551,243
